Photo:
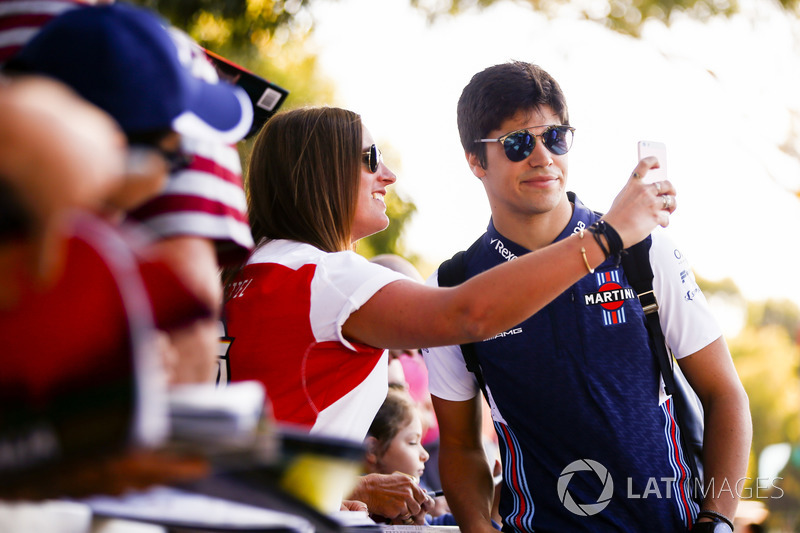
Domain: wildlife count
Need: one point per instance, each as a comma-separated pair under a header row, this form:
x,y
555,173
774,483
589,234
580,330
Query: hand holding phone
x,y
659,151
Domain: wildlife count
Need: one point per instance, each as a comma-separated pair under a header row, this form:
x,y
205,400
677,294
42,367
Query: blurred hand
x,y
354,505
396,497
58,152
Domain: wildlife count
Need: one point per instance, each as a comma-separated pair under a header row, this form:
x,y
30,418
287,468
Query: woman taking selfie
x,y
310,318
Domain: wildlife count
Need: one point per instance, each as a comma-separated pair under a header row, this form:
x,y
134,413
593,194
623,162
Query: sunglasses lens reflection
x,y
557,140
518,146
372,158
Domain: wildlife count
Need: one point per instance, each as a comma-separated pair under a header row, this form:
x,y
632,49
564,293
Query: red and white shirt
x,y
204,200
284,320
20,20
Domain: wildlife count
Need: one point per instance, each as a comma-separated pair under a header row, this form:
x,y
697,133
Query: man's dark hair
x,y
497,94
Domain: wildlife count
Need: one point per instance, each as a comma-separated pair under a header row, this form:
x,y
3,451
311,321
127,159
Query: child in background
x,y
394,444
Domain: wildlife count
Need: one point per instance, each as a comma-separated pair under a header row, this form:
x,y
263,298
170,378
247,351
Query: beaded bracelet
x,y
601,227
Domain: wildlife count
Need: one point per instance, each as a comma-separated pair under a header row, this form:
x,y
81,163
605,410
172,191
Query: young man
x,y
575,392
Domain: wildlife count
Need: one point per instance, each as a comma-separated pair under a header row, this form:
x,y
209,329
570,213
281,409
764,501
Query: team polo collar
x,y
582,218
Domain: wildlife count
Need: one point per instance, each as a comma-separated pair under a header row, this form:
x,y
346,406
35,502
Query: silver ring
x,y
667,201
658,187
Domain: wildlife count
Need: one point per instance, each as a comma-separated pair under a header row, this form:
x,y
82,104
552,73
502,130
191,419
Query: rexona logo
x,y
501,249
585,509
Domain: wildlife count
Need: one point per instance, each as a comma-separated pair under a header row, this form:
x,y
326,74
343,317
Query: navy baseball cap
x,y
122,59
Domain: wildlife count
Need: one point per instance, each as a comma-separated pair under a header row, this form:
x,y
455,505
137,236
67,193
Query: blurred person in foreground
x,y
57,153
572,383
93,329
80,379
199,218
311,319
197,221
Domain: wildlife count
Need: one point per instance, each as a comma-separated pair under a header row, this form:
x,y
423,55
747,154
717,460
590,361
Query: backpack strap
x,y
639,271
636,264
453,272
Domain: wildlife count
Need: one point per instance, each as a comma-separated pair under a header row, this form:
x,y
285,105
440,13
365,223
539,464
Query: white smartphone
x,y
659,150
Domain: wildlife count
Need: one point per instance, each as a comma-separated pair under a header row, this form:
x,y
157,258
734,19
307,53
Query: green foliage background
x,y
767,357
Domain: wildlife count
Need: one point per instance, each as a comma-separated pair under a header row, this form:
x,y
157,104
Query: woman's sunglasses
x,y
372,157
519,144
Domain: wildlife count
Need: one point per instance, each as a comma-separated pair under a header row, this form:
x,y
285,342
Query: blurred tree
x,y
767,361
783,501
389,241
245,22
783,313
725,286
242,23
624,16
727,303
767,358
268,37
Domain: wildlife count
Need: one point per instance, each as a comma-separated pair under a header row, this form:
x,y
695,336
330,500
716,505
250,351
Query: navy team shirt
x,y
587,443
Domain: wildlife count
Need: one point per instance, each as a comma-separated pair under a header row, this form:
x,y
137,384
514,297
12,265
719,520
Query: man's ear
x,y
371,455
475,164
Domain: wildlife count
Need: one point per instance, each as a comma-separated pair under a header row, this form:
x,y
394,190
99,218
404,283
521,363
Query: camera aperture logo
x,y
585,509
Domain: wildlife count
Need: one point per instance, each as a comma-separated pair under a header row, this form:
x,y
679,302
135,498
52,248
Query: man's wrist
x,y
711,527
714,521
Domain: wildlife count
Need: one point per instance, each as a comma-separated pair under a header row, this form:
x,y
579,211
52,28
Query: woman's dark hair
x,y
303,177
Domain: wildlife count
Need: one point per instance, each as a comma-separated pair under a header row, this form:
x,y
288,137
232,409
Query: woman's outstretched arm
x,y
405,314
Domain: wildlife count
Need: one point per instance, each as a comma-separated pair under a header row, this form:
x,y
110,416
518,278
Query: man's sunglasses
x,y
372,157
519,144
